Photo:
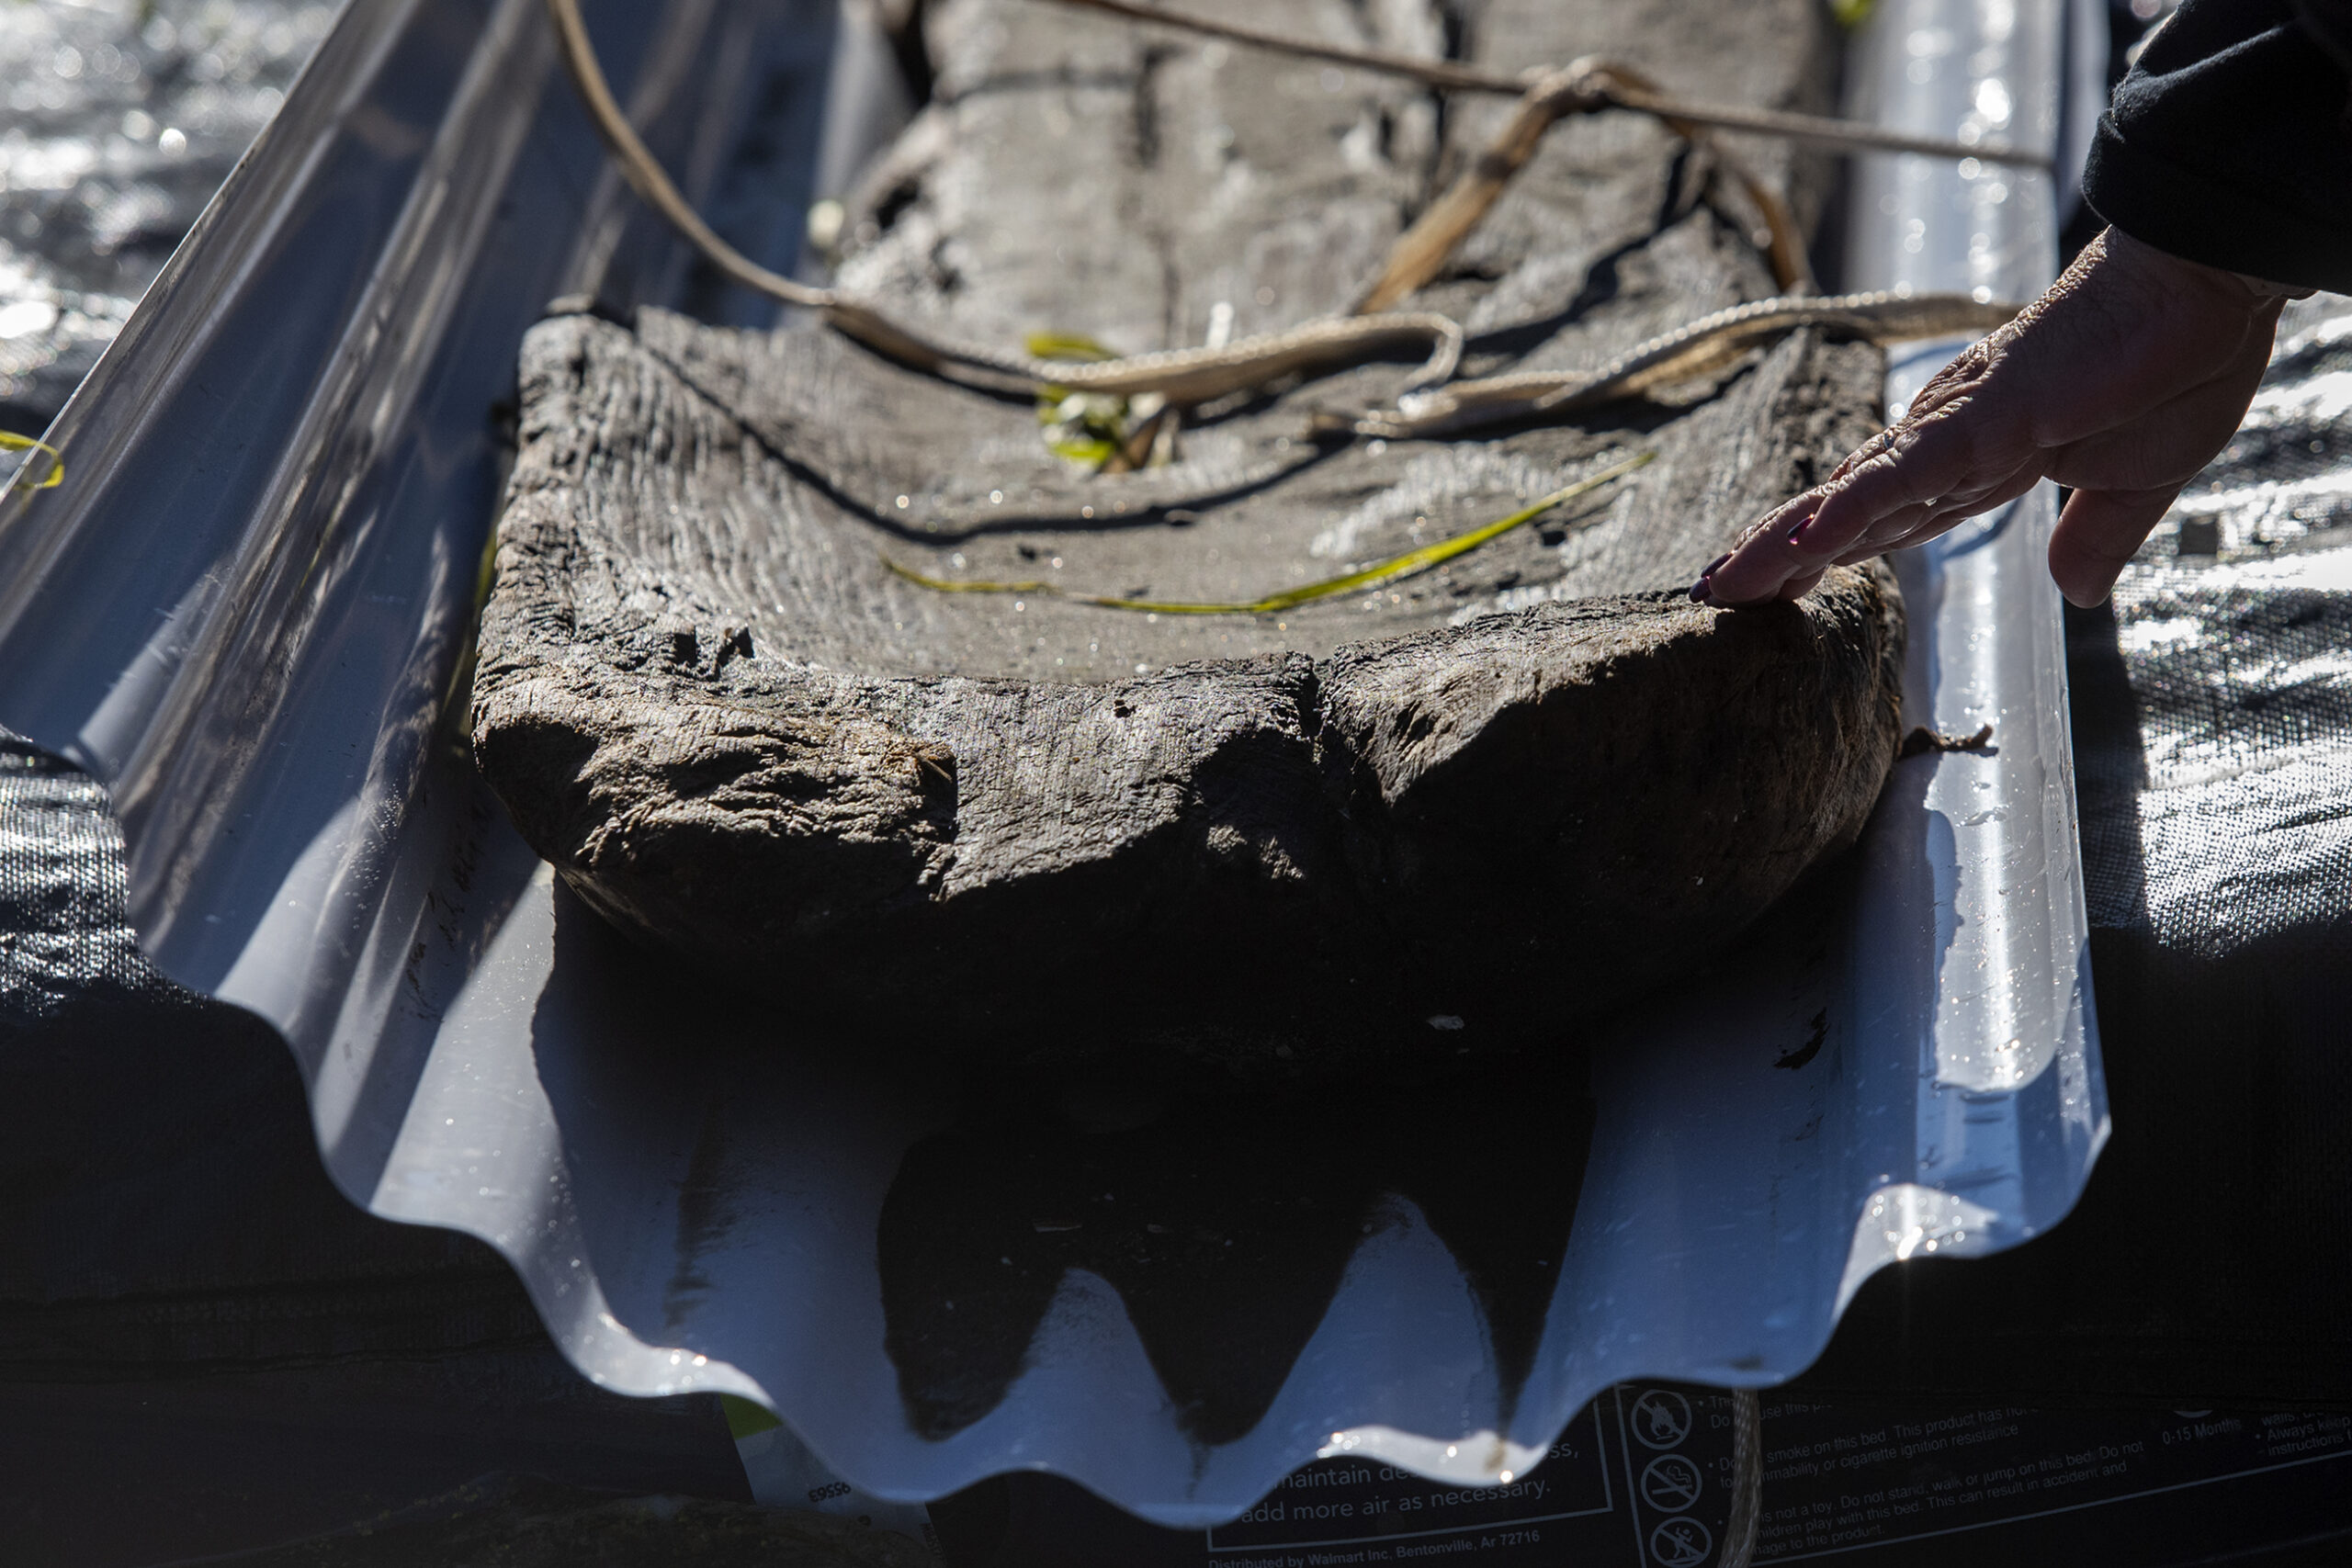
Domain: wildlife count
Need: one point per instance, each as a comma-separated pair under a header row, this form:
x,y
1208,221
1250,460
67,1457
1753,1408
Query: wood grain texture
x,y
1505,790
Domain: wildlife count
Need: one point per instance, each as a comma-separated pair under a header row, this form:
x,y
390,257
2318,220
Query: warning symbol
x,y
1682,1543
1671,1484
1661,1418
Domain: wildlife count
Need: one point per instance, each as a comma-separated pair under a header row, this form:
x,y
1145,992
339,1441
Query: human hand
x,y
2122,382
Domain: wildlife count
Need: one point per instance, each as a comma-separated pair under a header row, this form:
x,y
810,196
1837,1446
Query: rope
x,y
1820,130
1193,375
645,174
12,442
1422,251
1680,355
1746,1480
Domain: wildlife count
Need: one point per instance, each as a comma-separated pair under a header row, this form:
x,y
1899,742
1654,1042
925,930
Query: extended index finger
x,y
1954,458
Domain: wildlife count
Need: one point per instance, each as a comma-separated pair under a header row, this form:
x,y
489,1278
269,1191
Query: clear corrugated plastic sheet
x,y
245,612
119,119
2234,625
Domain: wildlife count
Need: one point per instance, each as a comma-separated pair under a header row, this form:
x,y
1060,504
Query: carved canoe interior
x,y
1510,791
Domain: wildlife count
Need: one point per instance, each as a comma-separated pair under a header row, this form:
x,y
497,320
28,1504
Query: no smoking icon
x,y
1671,1484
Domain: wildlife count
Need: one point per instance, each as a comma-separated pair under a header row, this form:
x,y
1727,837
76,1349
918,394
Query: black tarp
x,y
2212,722
203,1346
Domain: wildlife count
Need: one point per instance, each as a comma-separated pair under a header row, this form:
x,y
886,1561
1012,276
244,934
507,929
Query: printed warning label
x,y
1834,1484
1644,1478
1344,1512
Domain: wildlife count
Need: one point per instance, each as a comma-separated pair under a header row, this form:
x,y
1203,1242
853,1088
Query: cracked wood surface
x,y
1506,791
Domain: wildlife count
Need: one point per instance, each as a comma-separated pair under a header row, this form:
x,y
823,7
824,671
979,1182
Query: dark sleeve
x,y
2230,142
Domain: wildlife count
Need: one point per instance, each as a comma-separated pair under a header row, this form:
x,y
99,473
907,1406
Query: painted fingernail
x,y
1700,590
1796,533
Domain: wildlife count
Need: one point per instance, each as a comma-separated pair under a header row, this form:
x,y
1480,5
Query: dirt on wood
x,y
1509,793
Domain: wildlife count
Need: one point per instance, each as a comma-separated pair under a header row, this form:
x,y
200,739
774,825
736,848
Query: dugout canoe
x,y
725,686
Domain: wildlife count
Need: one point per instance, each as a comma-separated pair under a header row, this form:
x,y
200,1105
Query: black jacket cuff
x,y
2219,223
2230,141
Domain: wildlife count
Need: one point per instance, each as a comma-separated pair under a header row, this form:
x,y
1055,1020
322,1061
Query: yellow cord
x,y
1407,565
12,442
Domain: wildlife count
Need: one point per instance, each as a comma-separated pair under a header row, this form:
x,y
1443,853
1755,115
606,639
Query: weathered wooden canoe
x,y
1527,784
